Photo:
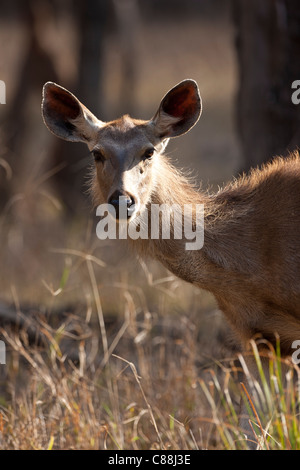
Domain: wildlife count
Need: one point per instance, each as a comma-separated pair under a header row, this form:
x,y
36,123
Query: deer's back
x,y
253,245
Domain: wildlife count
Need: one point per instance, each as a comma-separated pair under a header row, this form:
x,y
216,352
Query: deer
x,y
249,260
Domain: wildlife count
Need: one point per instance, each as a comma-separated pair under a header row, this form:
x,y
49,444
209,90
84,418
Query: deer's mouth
x,y
122,206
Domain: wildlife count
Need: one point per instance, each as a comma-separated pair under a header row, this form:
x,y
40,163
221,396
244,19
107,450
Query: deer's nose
x,y
123,204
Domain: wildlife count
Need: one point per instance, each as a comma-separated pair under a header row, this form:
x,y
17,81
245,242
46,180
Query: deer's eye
x,y
148,153
98,156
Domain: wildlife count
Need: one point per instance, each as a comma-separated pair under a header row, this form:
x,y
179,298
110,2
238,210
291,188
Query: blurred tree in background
x,y
268,47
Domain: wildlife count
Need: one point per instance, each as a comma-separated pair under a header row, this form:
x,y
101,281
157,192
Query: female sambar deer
x,y
250,259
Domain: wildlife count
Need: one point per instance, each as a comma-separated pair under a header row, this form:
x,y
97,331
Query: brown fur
x,y
250,259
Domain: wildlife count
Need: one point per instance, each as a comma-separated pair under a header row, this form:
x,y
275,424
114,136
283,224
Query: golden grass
x,y
88,379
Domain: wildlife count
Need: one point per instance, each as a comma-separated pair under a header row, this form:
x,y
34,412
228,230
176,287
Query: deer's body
x,y
250,259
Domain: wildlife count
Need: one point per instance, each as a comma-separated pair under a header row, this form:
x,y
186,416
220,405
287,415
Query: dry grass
x,y
86,383
90,380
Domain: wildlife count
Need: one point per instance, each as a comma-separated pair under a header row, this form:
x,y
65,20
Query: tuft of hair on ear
x,y
183,100
59,102
60,110
179,109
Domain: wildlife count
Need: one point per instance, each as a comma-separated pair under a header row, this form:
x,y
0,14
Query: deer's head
x,y
126,151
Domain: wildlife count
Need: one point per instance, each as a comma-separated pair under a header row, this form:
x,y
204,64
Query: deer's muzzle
x,y
123,204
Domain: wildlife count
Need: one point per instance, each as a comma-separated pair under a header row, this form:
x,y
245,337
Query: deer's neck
x,y
172,190
204,266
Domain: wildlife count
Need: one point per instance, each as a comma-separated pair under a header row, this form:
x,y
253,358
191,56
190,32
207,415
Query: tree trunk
x,y
268,45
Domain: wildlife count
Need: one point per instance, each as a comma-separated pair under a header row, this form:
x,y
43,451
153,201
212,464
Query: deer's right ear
x,y
178,111
65,116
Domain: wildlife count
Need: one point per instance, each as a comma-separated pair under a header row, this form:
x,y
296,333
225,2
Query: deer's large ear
x,y
65,116
179,110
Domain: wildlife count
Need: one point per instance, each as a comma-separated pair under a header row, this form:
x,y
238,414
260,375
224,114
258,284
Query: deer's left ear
x,y
179,110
